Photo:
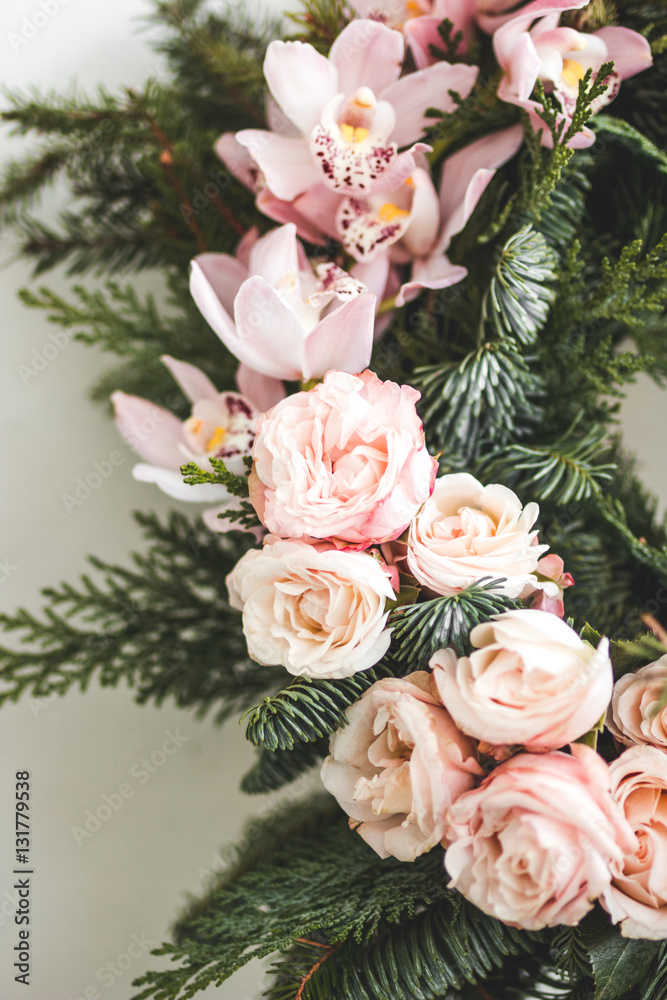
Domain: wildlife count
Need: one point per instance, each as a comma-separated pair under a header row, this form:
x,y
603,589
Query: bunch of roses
x,y
345,487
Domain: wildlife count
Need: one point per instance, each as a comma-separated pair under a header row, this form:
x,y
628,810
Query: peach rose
x,y
638,895
314,609
531,681
467,531
539,840
398,765
345,460
633,717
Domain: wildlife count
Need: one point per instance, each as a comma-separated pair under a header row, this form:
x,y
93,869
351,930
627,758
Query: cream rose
x,y
638,895
466,531
539,840
633,715
314,609
398,765
531,681
345,460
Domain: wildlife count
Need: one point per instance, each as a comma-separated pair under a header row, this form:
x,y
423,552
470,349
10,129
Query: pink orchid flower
x,y
559,57
415,225
222,425
351,112
290,321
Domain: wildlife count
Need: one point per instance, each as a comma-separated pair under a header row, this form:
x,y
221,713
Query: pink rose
x,y
633,715
531,681
316,610
466,531
539,840
638,894
398,765
345,460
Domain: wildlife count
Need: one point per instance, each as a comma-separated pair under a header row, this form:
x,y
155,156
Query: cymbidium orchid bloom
x,y
531,47
291,321
351,112
222,425
415,225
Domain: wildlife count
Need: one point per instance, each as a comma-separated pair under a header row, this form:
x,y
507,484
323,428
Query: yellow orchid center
x,y
413,9
388,212
216,439
352,134
194,425
572,72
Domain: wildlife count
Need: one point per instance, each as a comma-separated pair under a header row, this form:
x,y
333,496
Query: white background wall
x,y
130,877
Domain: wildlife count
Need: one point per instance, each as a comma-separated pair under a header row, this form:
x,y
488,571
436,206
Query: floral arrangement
x,y
414,504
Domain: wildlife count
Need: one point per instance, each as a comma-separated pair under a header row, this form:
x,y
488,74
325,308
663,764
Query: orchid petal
x,y
421,234
373,274
275,255
301,80
286,163
313,212
413,94
402,168
367,54
238,160
421,33
171,483
342,340
211,278
434,272
462,183
194,383
245,245
151,431
630,51
262,390
269,335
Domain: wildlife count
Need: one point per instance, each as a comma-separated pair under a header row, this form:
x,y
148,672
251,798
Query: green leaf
x,y
618,963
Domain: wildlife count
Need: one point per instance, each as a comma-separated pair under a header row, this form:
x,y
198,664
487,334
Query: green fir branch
x,y
564,472
163,626
308,877
520,293
275,768
489,397
419,630
308,710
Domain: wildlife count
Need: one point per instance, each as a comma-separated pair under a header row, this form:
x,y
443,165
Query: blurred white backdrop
x,y
101,902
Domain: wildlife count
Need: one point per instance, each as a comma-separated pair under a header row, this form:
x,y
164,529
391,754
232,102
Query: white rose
x,y
466,531
316,610
531,681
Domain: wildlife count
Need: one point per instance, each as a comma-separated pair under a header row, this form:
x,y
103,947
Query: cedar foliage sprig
x,y
163,626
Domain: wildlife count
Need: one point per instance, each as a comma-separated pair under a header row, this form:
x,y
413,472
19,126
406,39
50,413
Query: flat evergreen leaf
x,y
618,963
